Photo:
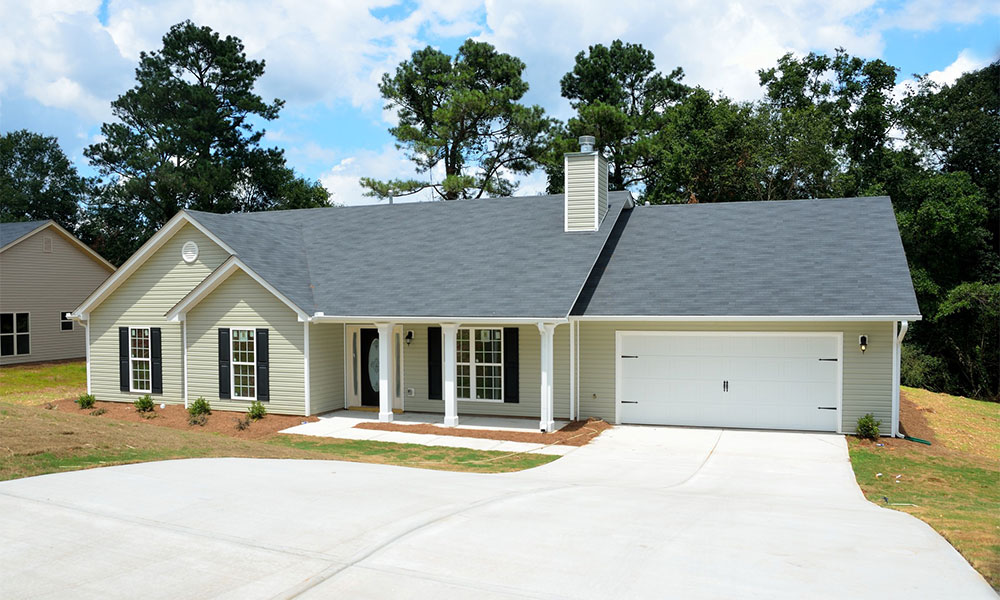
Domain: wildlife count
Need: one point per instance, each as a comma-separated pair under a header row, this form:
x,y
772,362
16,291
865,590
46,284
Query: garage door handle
x,y
826,408
630,402
629,356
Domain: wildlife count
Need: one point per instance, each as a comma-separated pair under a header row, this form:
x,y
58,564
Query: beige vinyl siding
x,y
529,372
46,284
142,300
326,366
602,188
240,301
580,192
867,378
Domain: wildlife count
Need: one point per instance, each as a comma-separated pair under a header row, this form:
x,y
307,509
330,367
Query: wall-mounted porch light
x,y
863,343
409,337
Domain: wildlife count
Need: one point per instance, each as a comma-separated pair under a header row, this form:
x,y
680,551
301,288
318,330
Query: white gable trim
x,y
69,236
139,258
215,279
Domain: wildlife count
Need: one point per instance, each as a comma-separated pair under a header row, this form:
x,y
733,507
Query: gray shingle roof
x,y
10,232
503,257
835,257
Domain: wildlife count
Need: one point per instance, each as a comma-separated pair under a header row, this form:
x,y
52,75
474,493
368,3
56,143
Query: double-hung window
x,y
140,360
244,370
65,323
480,364
15,334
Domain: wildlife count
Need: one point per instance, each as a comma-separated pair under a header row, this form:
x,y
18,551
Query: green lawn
x,y
954,484
44,382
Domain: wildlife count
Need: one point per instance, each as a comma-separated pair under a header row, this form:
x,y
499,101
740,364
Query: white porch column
x,y
449,333
547,422
384,372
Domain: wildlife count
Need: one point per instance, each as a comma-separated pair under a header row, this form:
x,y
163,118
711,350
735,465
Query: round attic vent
x,y
189,252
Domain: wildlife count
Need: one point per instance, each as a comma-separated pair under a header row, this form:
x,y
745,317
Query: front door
x,y
369,367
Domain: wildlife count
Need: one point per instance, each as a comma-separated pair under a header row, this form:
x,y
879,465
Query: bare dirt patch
x,y
176,417
576,433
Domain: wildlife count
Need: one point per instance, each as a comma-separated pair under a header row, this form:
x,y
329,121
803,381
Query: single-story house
x,y
45,272
783,315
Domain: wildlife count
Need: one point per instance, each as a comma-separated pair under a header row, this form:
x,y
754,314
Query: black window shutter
x,y
224,392
511,380
156,356
263,369
434,363
123,374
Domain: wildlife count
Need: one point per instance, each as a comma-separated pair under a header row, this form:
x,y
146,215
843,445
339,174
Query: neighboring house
x,y
45,272
785,315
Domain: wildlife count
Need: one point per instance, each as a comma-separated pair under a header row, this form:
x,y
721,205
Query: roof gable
x,y
12,234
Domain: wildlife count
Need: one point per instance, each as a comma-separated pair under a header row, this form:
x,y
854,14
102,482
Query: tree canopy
x,y
463,113
37,180
185,137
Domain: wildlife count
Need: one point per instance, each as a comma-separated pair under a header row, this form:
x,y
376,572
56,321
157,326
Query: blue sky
x,y
63,61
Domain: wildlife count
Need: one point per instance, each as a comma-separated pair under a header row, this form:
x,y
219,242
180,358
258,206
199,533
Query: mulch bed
x,y
576,433
913,423
176,416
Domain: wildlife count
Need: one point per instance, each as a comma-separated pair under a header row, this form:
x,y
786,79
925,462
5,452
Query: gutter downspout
x,y
897,351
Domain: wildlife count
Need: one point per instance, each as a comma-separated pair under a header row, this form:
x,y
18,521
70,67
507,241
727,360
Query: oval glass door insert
x,y
373,365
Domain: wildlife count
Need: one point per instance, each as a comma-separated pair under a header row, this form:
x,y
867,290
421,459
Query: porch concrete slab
x,y
640,512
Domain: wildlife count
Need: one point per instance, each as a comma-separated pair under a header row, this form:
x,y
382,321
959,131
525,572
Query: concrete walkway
x,y
642,512
340,424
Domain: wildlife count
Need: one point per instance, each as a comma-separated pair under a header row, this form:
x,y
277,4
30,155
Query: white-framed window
x,y
15,334
243,347
140,366
480,364
65,323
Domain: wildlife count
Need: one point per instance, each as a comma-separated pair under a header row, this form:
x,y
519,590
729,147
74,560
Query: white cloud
x,y
343,180
965,62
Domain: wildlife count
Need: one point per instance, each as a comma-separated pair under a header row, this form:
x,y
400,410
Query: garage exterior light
x,y
863,343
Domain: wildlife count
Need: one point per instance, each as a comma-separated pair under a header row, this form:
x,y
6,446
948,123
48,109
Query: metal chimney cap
x,y
587,143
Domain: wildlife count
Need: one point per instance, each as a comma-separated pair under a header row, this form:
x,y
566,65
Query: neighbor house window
x,y
244,364
65,323
15,334
139,359
480,364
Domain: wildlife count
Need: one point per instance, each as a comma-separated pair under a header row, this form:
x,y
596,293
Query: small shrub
x,y
256,411
97,412
86,401
242,424
144,404
868,427
197,420
199,407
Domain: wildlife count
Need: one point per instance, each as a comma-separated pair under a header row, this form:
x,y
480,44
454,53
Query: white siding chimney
x,y
586,188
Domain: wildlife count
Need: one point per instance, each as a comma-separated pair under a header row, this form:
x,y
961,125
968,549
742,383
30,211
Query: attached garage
x,y
758,380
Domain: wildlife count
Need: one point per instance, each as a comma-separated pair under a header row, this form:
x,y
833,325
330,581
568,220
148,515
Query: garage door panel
x,y
772,381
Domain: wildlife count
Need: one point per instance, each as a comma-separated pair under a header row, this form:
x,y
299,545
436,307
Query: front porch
x,y
342,424
456,370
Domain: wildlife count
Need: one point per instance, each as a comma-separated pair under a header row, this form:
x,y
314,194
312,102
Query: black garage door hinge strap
x,y
826,408
629,356
630,402
828,360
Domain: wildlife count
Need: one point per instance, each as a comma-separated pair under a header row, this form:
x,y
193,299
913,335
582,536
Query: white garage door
x,y
753,380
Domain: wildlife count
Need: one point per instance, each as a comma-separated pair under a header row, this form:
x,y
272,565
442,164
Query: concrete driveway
x,y
642,512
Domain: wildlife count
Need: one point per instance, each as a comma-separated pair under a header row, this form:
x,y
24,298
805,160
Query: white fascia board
x,y
69,237
709,318
321,318
203,289
139,258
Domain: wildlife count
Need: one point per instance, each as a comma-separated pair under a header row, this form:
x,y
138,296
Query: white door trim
x,y
838,335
